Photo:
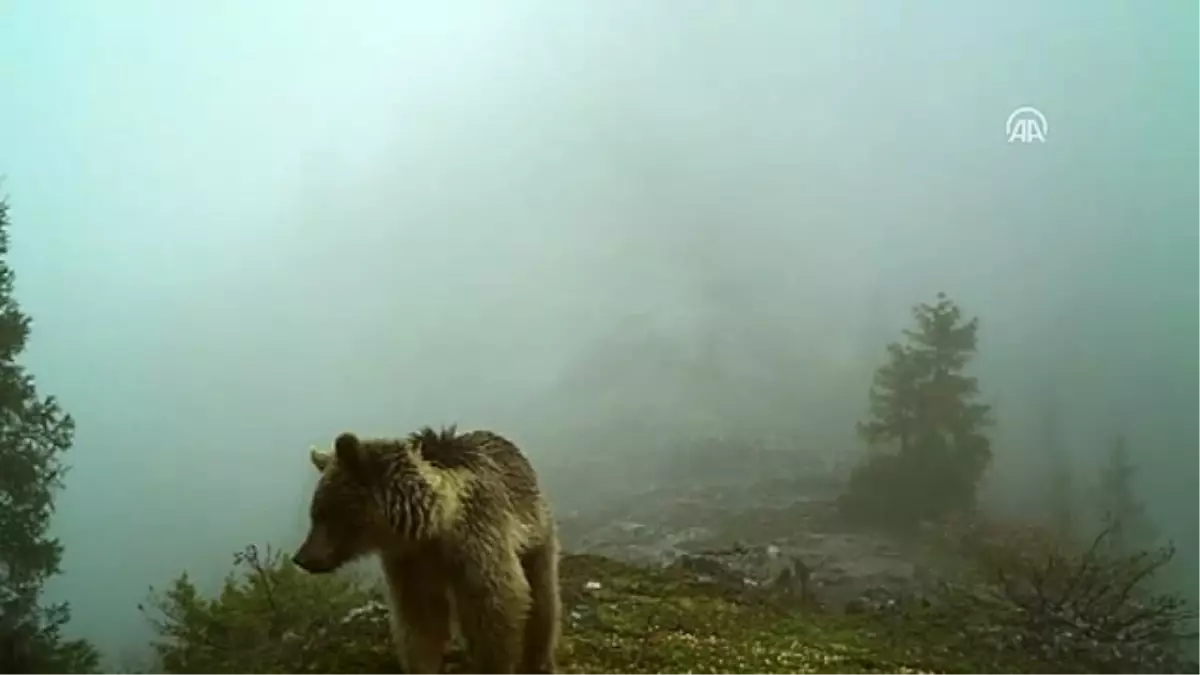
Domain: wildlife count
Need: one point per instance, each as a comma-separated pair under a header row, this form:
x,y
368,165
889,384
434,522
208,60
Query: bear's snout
x,y
310,564
313,556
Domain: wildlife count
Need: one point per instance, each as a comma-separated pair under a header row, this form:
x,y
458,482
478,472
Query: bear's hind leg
x,y
542,627
492,599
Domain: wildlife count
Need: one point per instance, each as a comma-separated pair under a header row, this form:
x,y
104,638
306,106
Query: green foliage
x,y
270,617
923,412
34,435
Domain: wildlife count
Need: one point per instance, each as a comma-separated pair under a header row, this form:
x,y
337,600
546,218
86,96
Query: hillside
x,y
727,579
619,618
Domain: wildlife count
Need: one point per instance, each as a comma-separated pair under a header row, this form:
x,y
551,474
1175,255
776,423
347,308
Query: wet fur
x,y
461,527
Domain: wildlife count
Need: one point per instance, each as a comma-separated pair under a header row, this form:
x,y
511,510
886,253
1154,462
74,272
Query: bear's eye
x,y
316,511
323,508
332,503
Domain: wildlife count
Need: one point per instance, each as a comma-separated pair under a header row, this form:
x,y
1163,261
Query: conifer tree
x,y
924,413
34,435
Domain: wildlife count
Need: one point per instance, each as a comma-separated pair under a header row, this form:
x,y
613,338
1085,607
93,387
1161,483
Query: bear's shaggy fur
x,y
457,520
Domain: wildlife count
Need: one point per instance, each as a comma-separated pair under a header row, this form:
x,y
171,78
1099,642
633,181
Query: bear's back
x,y
502,475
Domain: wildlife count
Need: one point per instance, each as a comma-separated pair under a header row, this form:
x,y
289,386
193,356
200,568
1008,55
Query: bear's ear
x,y
348,450
319,459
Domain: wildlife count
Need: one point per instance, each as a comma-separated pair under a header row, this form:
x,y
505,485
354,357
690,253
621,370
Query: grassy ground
x,y
643,621
624,620
618,618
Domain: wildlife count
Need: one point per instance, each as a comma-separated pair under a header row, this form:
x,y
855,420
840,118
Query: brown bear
x,y
456,519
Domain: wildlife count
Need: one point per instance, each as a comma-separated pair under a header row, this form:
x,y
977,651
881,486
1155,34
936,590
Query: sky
x,y
241,228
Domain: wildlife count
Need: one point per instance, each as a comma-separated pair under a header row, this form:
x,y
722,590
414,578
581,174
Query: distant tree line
x,y
1082,590
930,449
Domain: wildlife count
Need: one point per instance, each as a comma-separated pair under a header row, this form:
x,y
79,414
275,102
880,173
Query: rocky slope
x,y
782,535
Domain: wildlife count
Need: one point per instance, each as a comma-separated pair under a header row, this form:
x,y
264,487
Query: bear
x,y
459,522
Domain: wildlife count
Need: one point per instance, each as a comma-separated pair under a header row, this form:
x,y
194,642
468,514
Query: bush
x,y
270,617
1050,603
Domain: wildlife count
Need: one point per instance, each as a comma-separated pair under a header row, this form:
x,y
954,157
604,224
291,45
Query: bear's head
x,y
345,513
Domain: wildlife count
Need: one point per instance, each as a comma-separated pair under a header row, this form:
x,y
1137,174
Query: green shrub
x,y
270,617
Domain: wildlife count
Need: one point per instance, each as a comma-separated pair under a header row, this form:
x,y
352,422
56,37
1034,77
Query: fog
x,y
241,228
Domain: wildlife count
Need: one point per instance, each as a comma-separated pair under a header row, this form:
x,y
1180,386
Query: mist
x,y
243,228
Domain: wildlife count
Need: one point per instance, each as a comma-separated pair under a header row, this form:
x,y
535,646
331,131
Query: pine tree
x,y
1119,507
894,400
923,406
34,435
